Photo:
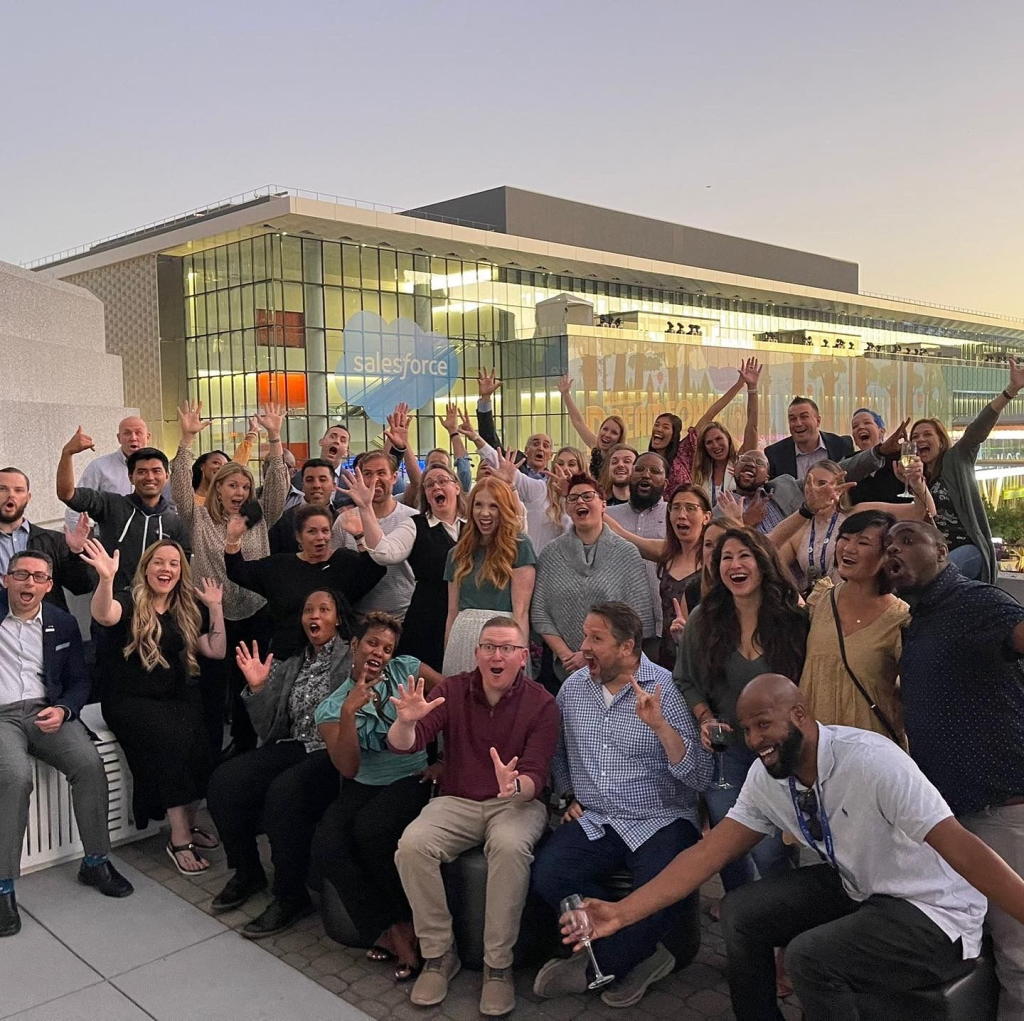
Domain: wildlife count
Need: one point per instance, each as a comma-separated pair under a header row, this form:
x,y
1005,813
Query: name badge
x,y
63,645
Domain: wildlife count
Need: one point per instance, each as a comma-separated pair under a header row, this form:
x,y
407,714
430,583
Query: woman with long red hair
x,y
489,571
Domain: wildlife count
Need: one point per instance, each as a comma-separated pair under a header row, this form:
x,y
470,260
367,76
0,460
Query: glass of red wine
x,y
575,917
720,737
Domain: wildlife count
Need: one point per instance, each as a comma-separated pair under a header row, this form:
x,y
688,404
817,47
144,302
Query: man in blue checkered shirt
x,y
630,755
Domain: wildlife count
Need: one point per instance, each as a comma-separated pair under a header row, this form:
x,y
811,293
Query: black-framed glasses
x,y
586,497
40,577
506,650
807,802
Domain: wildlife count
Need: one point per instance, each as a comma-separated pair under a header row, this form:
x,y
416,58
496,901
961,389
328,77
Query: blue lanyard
x,y
826,830
824,546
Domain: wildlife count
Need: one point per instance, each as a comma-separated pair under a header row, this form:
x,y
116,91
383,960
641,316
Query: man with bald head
x,y
893,909
963,697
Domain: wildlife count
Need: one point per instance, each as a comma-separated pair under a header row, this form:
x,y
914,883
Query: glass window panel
x,y
211,312
332,263
293,297
190,359
334,312
312,269
388,269
407,307
353,303
248,351
368,264
234,267
350,266
291,258
246,301
190,317
259,258
406,276
245,261
209,269
200,305
235,307
222,266
223,314
389,307
313,305
371,301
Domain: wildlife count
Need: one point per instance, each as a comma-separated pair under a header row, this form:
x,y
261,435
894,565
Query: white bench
x,y
52,833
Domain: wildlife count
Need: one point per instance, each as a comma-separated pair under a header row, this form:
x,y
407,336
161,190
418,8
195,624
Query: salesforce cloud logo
x,y
385,364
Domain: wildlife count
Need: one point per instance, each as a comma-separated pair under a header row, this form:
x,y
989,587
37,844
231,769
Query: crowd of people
x,y
592,661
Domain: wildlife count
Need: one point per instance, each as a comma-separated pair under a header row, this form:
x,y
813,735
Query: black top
x,y
881,487
282,533
284,581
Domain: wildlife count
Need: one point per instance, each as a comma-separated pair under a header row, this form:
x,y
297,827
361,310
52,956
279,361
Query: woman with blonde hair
x,y
610,432
231,492
489,571
156,632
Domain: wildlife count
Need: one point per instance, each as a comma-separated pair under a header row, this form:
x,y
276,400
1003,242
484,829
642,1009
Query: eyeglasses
x,y
506,650
37,576
655,470
438,483
586,497
807,802
693,508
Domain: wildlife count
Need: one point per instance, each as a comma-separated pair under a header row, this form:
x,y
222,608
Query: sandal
x,y
379,953
173,852
214,842
404,972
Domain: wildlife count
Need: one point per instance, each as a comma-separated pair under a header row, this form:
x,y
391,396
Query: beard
x,y
789,754
644,501
9,519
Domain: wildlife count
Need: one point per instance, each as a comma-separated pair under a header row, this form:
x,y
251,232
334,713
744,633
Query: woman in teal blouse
x,y
381,794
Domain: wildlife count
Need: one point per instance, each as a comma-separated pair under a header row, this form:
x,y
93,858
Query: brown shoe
x,y
498,993
432,985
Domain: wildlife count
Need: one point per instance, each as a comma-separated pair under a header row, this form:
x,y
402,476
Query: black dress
x,y
423,631
157,715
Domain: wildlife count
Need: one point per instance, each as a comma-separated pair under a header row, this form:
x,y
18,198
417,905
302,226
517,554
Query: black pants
x,y
848,961
255,628
281,790
355,848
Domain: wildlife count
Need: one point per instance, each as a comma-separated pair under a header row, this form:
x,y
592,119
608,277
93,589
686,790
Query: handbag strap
x,y
872,704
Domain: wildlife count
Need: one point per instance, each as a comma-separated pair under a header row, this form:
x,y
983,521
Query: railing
x,y
935,304
246,198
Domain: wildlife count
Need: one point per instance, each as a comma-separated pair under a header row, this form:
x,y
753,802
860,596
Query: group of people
x,y
706,655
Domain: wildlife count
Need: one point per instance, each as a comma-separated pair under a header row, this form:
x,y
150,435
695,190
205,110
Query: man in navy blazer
x,y
806,444
43,686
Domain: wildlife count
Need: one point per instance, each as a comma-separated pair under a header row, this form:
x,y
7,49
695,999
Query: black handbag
x,y
872,704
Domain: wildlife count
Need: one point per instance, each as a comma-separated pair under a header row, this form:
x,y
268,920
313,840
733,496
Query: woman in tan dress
x,y
872,622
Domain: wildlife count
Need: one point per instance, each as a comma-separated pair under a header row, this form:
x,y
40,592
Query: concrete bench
x,y
52,834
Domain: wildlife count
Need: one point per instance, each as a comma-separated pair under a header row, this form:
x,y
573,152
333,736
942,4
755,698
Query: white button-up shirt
x,y
880,807
21,659
805,462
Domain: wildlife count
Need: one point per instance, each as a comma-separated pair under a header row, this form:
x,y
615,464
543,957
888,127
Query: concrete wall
x,y
59,376
529,214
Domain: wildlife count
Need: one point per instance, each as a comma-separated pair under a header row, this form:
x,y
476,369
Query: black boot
x,y
279,915
240,887
106,879
10,920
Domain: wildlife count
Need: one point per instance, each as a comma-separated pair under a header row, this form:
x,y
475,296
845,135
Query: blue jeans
x,y
570,863
968,560
771,856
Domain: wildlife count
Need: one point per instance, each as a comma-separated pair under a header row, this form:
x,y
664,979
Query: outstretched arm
x,y
751,375
650,549
723,402
579,423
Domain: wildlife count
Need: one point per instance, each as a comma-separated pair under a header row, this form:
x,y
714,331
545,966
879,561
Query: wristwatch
x,y
806,512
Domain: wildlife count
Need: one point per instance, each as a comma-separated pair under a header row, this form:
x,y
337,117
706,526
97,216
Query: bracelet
x,y
1009,396
751,389
236,543
359,537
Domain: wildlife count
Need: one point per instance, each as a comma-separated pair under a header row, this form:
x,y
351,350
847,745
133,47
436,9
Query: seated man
x,y
887,917
500,731
43,686
630,753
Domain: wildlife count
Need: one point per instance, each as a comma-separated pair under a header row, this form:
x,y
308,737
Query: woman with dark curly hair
x,y
749,623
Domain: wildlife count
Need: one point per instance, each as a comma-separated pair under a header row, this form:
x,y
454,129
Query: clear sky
x,y
888,133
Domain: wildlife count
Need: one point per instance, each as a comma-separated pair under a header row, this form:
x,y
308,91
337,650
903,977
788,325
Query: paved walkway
x,y
696,993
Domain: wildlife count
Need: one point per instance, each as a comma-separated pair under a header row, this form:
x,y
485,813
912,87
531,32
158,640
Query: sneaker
x,y
432,985
561,976
629,990
498,992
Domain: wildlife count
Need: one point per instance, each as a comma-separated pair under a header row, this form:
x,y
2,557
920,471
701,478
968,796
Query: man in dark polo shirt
x,y
500,730
963,695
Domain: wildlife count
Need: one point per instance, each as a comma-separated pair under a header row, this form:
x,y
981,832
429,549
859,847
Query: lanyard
x,y
826,830
824,546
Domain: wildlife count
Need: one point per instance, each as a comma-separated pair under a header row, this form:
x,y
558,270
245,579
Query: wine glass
x,y
574,915
908,458
720,737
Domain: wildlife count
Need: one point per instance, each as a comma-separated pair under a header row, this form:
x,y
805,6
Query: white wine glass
x,y
908,458
575,916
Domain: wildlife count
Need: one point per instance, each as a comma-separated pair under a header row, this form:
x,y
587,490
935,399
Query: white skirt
x,y
460,653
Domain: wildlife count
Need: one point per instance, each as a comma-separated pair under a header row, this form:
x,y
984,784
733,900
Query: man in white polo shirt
x,y
891,913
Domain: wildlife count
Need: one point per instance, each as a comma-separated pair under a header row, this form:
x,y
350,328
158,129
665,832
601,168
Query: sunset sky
x,y
887,134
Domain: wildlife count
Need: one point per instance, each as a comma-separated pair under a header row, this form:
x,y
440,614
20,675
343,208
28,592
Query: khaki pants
x,y
1002,828
444,829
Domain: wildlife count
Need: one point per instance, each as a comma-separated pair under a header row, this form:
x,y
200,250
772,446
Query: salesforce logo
x,y
385,364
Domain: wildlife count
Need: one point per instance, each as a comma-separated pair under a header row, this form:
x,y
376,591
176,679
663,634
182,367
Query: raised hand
x,y
254,426
360,493
76,537
254,670
565,385
505,773
575,661
359,694
750,372
79,442
913,476
397,431
487,383
508,465
560,477
890,446
678,624
753,513
411,703
100,561
351,522
705,726
466,428
821,497
190,419
272,418
648,705
235,529
210,592
730,507
450,419
1016,375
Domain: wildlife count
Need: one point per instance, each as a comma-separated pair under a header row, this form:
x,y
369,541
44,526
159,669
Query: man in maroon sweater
x,y
500,731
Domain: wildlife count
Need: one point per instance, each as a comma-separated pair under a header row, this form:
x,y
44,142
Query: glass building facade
x,y
266,318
